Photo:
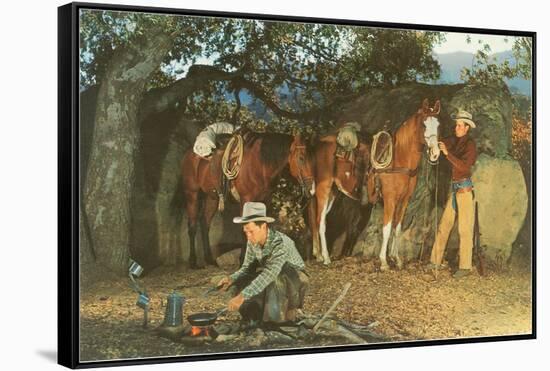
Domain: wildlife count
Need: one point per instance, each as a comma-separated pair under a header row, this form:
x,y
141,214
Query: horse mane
x,y
275,147
403,135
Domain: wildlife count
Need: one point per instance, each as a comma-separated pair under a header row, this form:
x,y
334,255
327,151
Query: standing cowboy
x,y
461,152
271,282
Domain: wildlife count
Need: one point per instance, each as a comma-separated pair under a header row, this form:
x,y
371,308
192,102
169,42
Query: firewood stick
x,y
336,302
350,335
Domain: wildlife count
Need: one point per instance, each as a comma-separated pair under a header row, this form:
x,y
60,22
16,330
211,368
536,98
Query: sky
x,y
457,42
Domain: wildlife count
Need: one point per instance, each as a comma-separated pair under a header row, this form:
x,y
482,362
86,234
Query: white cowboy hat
x,y
464,116
253,212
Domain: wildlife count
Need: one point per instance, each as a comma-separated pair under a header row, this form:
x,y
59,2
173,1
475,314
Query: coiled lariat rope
x,y
386,156
231,173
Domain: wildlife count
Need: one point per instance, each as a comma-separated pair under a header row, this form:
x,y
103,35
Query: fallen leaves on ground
x,y
407,305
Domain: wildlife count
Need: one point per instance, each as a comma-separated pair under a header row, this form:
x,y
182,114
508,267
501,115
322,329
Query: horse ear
x,y
425,105
437,108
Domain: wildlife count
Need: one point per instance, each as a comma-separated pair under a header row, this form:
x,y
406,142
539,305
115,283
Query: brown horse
x,y
333,174
264,158
398,180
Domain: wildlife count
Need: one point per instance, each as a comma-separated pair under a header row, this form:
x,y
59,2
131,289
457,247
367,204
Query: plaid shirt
x,y
278,250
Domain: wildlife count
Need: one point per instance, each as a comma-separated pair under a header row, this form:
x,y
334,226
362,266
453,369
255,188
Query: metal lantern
x,y
143,301
174,310
135,269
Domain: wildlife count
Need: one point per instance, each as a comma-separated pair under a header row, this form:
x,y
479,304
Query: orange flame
x,y
198,331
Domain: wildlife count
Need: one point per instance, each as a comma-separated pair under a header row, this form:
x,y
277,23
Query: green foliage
x,y
287,203
522,106
386,57
315,66
102,32
487,70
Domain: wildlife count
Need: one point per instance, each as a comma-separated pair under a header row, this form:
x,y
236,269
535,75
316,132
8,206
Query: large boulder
x,y
389,108
501,194
168,201
230,259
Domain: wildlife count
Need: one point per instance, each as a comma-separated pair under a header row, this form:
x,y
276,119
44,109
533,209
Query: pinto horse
x,y
328,181
398,180
264,158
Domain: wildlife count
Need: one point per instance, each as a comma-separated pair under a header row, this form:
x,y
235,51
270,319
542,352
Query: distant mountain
x,y
516,85
453,63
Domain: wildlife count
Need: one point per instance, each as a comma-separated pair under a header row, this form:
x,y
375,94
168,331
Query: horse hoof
x,y
384,267
398,264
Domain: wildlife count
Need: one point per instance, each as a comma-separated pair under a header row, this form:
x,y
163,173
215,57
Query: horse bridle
x,y
426,140
301,164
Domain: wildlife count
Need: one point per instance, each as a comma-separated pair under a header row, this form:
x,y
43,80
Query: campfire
x,y
202,331
330,331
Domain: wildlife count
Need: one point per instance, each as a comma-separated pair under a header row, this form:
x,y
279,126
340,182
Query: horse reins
x,y
301,179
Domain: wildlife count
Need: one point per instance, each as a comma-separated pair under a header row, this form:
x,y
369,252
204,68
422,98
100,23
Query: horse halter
x,y
301,164
427,138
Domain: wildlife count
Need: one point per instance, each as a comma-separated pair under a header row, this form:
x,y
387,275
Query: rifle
x,y
477,245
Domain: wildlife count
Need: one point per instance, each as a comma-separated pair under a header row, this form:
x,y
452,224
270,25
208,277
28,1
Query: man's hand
x,y
225,283
443,148
235,303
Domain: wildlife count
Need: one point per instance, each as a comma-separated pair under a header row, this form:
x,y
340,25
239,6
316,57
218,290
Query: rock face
x,y
159,226
501,194
229,259
157,205
168,201
491,108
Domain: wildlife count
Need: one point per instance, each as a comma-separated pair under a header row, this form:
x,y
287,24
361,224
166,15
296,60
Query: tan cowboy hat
x,y
253,212
464,116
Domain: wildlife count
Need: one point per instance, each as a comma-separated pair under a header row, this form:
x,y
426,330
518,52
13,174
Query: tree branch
x,y
158,100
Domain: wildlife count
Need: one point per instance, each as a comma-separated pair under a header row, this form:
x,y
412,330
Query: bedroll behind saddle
x,y
347,136
349,169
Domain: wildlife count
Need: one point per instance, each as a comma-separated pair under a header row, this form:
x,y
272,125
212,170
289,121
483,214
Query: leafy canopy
x,y
297,67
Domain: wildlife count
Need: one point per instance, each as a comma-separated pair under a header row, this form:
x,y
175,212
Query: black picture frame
x,y
69,192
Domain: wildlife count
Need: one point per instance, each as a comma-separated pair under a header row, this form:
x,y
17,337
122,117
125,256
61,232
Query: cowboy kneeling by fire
x,y
271,283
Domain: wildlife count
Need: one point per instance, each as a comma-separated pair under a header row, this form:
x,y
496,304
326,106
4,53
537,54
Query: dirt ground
x,y
411,304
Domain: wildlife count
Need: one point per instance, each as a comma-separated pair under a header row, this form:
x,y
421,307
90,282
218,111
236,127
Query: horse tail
x,y
356,227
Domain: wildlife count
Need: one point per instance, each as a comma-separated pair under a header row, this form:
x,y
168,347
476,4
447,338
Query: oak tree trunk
x,y
110,173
